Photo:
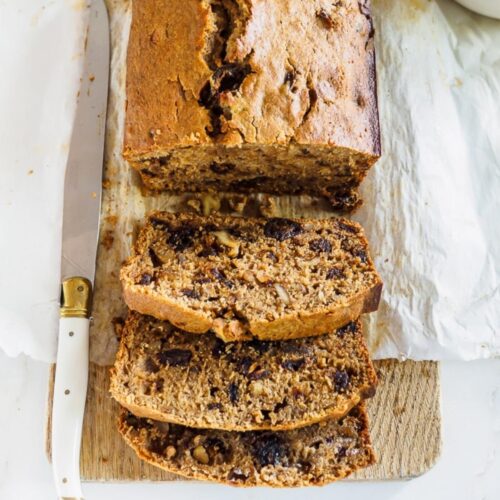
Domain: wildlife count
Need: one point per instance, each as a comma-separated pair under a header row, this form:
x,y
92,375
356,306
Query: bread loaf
x,y
252,96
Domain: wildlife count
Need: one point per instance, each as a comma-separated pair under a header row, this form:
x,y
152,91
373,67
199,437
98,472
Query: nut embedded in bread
x,y
252,96
242,278
200,381
314,455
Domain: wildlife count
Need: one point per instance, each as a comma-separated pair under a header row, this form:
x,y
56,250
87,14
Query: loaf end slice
x,y
199,381
311,456
251,277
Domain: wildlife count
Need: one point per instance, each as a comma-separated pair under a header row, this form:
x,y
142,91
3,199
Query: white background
x,y
469,467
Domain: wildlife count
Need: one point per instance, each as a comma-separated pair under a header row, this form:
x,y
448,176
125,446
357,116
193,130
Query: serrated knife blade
x,y
83,181
82,200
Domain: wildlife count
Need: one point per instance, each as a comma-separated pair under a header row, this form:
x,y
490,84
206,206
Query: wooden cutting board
x,y
405,427
405,413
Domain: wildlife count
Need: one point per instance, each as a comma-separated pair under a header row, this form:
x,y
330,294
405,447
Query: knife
x,y
82,200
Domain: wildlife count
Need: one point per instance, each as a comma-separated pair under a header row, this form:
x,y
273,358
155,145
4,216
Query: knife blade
x,y
82,200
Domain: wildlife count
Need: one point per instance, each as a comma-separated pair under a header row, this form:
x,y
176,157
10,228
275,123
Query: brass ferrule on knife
x,y
76,298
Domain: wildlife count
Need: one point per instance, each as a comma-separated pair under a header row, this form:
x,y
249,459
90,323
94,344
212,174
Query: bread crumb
x,y
112,220
108,239
118,323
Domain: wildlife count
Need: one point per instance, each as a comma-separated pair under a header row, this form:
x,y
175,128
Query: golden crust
x,y
143,412
293,326
164,79
306,324
328,55
187,319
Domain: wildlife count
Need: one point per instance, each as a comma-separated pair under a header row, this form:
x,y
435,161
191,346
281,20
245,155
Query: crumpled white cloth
x,y
431,203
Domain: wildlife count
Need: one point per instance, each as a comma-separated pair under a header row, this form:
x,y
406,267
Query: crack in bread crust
x,y
227,76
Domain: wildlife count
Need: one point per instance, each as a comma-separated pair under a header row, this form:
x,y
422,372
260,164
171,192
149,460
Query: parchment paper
x,y
431,202
41,49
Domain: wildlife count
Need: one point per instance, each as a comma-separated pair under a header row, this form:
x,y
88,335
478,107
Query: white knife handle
x,y
70,386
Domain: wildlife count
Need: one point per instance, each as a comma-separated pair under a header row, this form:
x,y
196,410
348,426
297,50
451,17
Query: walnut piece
x,y
226,240
210,204
282,293
201,455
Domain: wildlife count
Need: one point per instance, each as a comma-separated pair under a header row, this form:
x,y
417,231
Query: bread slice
x,y
313,455
199,381
251,277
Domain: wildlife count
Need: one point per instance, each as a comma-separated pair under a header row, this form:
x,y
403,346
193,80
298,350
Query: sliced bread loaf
x,y
251,277
313,455
200,381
